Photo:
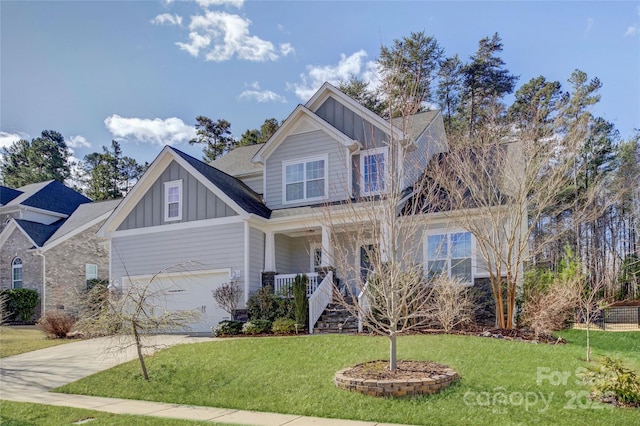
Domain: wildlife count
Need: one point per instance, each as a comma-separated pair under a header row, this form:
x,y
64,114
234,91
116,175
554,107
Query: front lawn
x,y
22,413
16,340
503,382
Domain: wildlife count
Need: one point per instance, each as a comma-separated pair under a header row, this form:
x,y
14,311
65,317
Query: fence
x,y
614,318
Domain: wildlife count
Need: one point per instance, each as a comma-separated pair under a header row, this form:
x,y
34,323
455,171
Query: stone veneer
x,y
394,388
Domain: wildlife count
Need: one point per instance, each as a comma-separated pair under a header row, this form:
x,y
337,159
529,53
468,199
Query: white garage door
x,y
189,291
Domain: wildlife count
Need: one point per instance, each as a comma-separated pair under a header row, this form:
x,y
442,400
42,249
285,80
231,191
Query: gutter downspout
x,y
44,282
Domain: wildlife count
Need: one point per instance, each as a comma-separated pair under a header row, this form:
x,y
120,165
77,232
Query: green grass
x,y
295,375
16,340
23,414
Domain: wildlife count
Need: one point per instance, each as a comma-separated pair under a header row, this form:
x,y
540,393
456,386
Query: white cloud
x,y
589,26
348,66
261,96
206,3
286,49
632,30
221,36
6,138
78,141
169,131
167,18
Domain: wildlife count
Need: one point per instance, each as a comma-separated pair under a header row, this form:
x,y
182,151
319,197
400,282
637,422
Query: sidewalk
x,y
28,378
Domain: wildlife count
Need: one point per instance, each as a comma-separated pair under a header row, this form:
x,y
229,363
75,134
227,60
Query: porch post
x,y
385,234
327,248
269,273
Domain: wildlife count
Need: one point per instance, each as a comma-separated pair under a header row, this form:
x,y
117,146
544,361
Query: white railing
x,y
363,306
283,283
320,299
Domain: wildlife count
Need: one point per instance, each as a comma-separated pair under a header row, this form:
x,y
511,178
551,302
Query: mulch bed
x,y
379,370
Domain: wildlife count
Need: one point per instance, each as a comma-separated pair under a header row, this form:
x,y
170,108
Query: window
x,y
450,254
372,171
173,200
16,273
91,272
305,180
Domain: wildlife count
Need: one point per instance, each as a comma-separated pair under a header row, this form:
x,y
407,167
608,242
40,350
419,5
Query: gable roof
x,y
7,194
235,189
50,195
415,124
237,162
85,216
37,232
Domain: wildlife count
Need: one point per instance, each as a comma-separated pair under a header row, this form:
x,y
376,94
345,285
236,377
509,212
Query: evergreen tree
x,y
44,158
449,88
358,89
215,135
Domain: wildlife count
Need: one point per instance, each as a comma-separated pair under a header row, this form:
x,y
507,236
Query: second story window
x,y
173,200
373,165
16,273
305,180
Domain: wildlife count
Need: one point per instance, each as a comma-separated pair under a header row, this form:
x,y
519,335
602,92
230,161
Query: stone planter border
x,y
398,387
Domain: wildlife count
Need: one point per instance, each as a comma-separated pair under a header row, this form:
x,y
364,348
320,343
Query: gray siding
x,y
432,141
198,202
192,249
351,124
255,183
256,258
300,257
283,250
303,146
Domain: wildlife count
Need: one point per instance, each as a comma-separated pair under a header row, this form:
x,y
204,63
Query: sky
x,y
140,72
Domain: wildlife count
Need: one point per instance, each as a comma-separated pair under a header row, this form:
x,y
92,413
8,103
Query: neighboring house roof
x,y
416,124
235,189
37,232
51,195
7,194
238,161
85,216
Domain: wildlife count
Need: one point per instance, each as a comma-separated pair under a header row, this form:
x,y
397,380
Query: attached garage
x,y
187,291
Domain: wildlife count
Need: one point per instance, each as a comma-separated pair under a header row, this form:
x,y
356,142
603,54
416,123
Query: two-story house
x,y
255,214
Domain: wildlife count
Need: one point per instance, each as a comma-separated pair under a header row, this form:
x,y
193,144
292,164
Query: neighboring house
x,y
252,216
48,242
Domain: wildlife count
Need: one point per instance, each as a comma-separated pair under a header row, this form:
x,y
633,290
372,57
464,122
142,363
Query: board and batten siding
x,y
256,258
198,202
193,249
299,147
352,124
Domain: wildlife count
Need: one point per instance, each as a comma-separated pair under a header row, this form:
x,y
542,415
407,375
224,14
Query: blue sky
x,y
141,71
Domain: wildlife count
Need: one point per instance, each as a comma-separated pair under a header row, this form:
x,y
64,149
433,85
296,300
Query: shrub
x,y
21,303
4,307
283,326
452,303
257,326
265,305
227,328
613,381
227,296
56,324
300,301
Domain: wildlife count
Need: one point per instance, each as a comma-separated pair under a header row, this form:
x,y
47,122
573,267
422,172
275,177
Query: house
x,y
48,242
254,216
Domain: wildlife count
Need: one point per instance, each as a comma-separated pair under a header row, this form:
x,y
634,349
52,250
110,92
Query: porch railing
x,y
283,283
320,299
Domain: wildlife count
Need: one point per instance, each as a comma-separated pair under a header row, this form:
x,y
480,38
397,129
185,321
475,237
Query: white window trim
x,y
366,153
305,161
313,247
448,232
13,268
86,271
167,186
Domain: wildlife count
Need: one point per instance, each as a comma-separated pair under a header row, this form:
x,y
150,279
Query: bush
x,y
283,326
300,301
227,328
265,305
227,296
451,302
4,307
614,382
56,324
257,326
21,303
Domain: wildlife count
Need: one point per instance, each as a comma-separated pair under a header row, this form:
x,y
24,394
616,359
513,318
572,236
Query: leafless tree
x,y
451,302
134,312
227,296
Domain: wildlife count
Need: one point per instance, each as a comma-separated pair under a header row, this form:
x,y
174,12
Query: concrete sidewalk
x,y
29,377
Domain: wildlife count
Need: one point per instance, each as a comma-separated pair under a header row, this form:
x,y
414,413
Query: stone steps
x,y
336,320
